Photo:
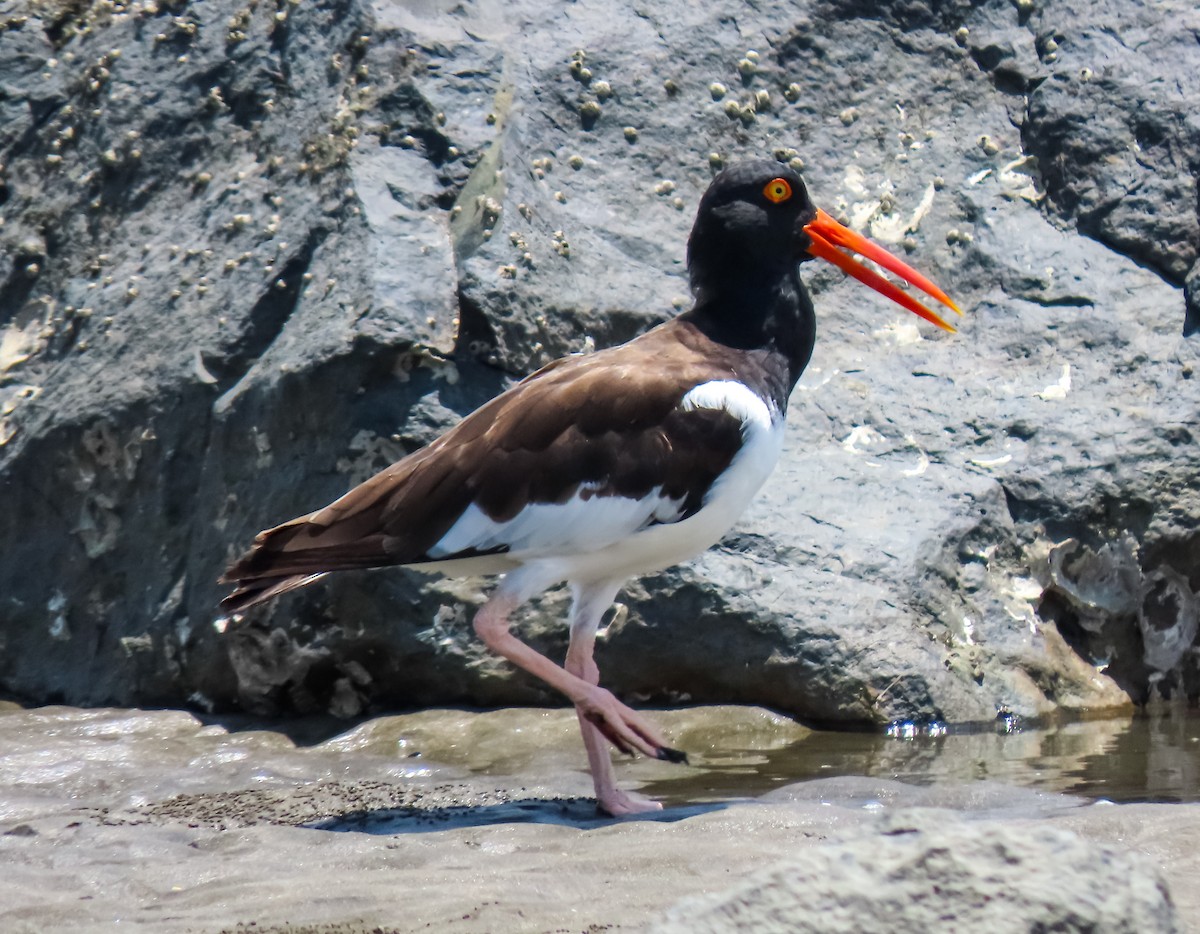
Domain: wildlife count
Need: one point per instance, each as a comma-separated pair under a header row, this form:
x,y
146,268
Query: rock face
x,y
254,252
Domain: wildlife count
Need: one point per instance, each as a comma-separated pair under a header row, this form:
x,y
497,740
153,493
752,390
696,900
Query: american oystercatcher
x,y
601,467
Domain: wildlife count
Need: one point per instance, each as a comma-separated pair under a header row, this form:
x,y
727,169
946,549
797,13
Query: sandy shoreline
x,y
150,819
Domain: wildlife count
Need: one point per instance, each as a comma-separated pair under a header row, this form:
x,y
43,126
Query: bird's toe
x,y
622,803
667,754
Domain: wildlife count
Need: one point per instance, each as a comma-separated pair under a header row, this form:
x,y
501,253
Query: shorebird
x,y
601,467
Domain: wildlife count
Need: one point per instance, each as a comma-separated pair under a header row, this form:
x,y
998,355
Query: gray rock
x,y
1119,158
251,260
925,871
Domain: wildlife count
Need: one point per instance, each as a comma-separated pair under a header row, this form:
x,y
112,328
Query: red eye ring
x,y
777,190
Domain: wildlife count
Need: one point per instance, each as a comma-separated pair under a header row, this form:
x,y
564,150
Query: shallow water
x,y
119,758
1141,758
738,752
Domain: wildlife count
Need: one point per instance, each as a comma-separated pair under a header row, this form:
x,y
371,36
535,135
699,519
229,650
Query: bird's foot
x,y
622,726
617,803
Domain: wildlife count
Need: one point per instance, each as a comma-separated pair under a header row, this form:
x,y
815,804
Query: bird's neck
x,y
770,317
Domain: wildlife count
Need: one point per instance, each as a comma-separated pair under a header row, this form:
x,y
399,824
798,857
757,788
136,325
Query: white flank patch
x,y
579,524
735,398
762,440
612,537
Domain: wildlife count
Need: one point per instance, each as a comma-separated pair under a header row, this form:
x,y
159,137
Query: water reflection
x,y
1148,757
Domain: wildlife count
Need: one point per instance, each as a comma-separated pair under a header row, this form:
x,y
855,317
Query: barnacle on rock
x,y
589,112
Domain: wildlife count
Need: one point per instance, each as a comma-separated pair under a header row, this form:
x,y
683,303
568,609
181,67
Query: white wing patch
x,y
601,537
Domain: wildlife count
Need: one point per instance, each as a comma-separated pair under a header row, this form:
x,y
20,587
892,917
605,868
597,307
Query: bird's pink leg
x,y
586,610
621,725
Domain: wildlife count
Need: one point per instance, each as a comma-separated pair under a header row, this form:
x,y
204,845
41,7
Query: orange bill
x,y
827,235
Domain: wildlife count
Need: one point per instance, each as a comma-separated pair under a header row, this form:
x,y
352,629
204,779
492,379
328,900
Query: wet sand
x,y
474,822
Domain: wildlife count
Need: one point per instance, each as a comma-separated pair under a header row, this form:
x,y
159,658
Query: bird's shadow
x,y
580,813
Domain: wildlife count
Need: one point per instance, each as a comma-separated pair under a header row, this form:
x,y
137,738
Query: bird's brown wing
x,y
608,423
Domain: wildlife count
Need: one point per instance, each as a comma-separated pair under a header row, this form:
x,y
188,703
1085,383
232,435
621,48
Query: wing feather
x,y
608,425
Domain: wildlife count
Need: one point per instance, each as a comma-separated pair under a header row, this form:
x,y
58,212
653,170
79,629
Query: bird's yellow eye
x,y
777,190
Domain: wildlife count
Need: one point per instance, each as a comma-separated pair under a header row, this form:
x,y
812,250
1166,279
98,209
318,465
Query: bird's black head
x,y
750,224
756,223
